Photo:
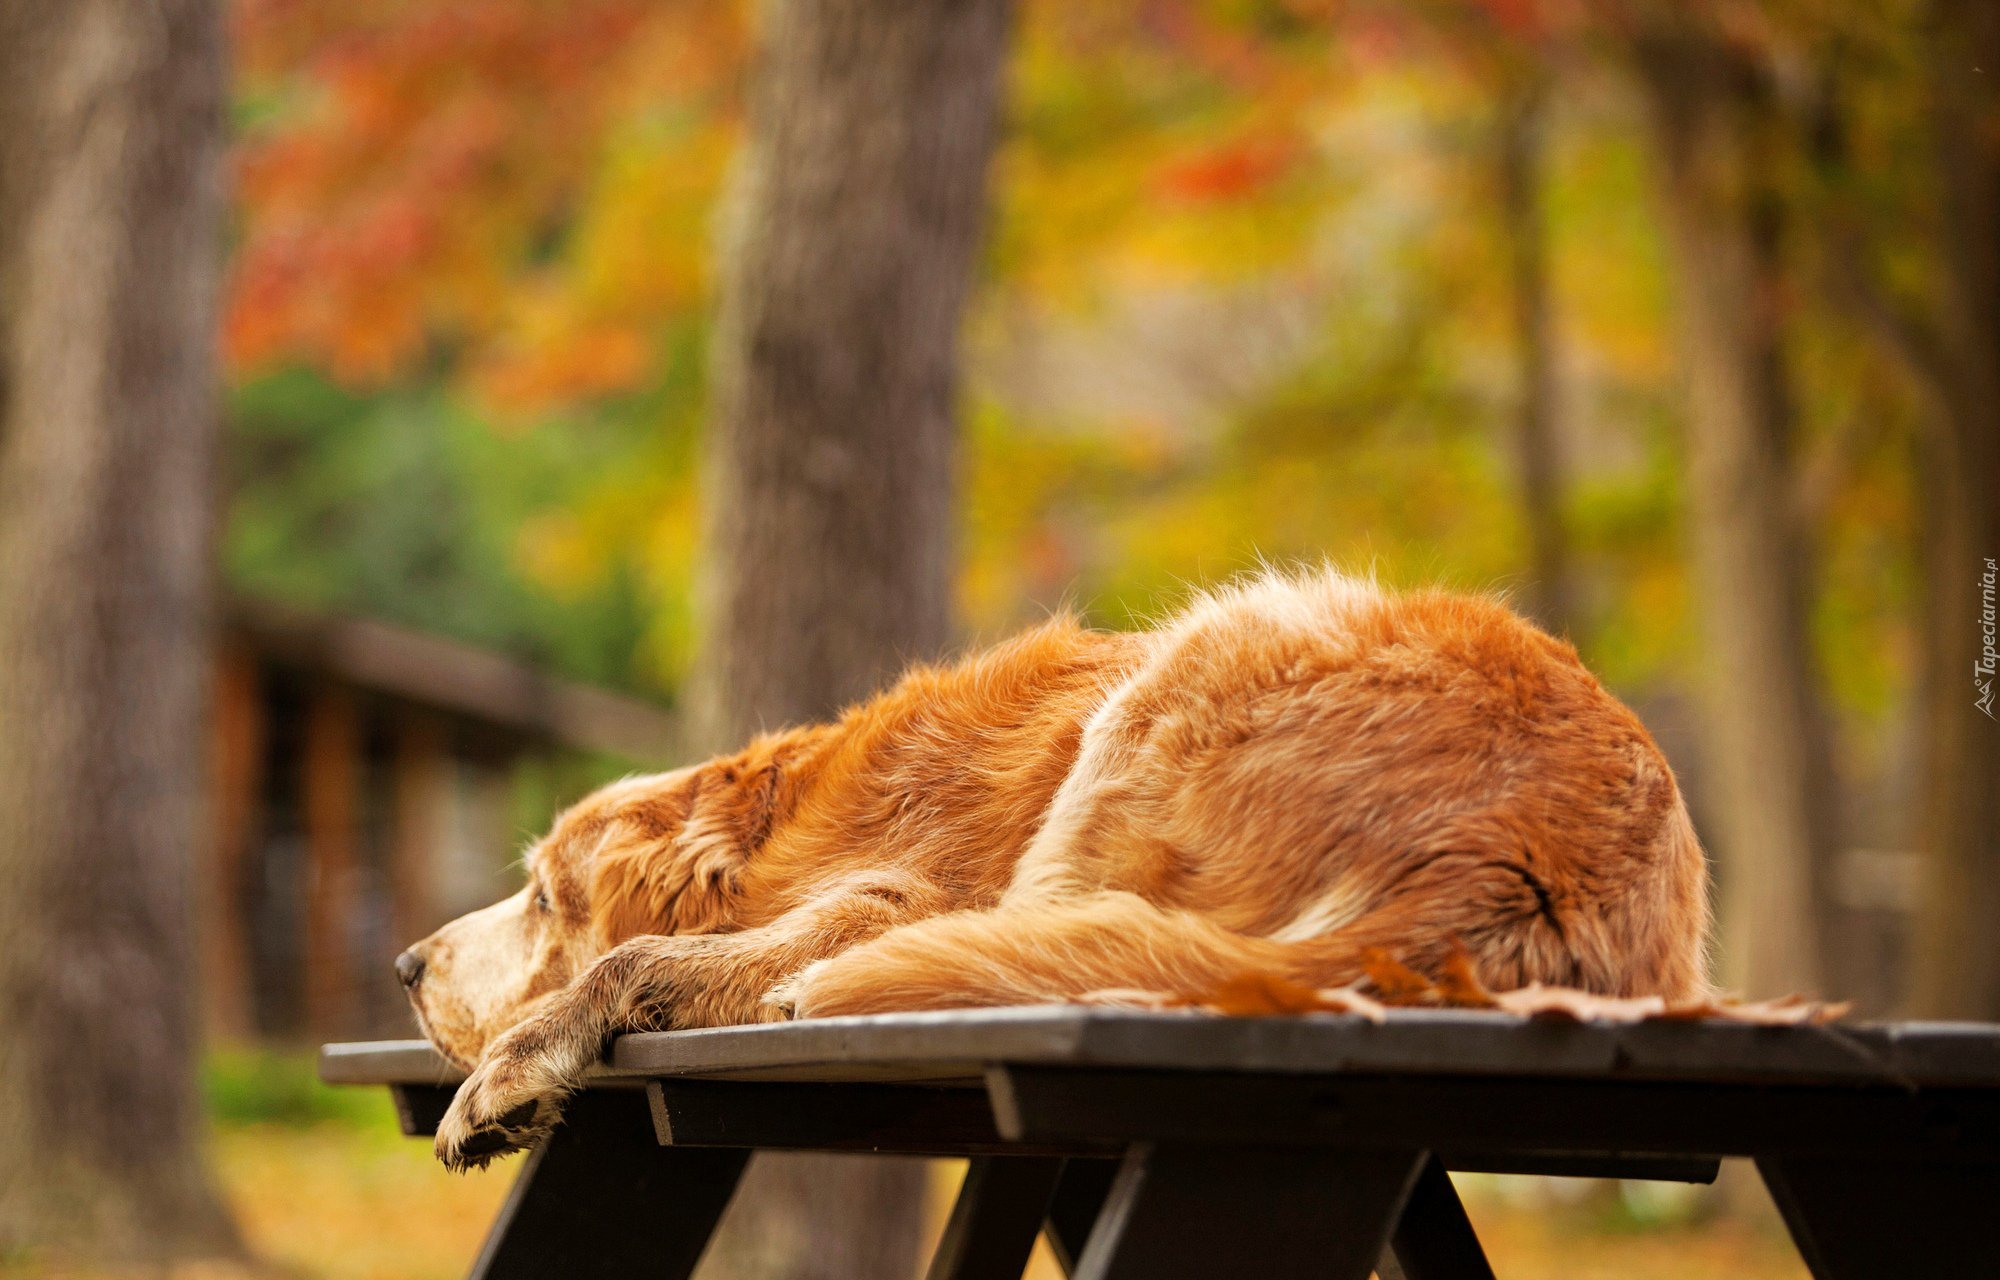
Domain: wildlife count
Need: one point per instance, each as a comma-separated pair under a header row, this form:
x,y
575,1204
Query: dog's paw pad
x,y
484,1143
516,1129
488,1143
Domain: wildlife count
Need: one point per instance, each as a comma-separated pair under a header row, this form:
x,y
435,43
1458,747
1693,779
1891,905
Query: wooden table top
x,y
955,1047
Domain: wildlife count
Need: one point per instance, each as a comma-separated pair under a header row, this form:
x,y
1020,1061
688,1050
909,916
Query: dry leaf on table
x,y
1394,981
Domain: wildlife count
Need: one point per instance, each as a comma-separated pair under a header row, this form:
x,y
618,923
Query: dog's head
x,y
650,855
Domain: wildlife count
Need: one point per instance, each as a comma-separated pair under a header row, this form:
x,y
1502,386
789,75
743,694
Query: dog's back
x,y
1300,769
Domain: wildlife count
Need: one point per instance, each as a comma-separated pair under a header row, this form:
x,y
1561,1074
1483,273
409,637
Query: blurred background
x,y
600,380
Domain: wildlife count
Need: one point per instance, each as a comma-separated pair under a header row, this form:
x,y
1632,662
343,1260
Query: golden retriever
x,y
1289,772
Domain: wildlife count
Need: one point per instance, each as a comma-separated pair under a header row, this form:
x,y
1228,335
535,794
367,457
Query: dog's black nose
x,y
409,967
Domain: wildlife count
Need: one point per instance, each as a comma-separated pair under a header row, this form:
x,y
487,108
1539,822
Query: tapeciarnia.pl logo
x,y
1982,668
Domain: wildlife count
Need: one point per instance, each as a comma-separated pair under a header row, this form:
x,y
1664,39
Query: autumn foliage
x,y
513,188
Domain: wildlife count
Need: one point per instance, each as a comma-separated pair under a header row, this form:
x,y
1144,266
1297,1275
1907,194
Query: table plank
x,y
1466,1115
899,1119
951,1045
386,1062
954,1047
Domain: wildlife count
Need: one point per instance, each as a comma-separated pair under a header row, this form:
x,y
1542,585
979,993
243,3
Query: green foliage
x,y
402,505
260,1085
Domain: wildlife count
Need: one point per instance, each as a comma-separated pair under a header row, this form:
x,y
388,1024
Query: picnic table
x,y
1157,1146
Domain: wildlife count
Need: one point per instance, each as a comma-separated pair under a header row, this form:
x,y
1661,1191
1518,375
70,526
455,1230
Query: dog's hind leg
x,y
1057,949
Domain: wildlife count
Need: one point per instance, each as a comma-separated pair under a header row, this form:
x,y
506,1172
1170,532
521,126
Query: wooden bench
x,y
1155,1146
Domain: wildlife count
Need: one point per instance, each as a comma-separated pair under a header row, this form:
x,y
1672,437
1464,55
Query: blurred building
x,y
365,780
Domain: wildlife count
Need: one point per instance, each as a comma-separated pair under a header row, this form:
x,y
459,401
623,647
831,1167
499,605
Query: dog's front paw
x,y
777,1006
497,1111
789,999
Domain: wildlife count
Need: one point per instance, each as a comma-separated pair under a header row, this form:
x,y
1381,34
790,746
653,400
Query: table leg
x,y
602,1199
998,1214
419,1107
1434,1239
1194,1213
1080,1197
1886,1219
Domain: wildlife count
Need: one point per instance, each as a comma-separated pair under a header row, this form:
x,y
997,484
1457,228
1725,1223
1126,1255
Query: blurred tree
x,y
1511,49
847,255
847,250
1722,149
110,242
1523,110
1958,970
1950,343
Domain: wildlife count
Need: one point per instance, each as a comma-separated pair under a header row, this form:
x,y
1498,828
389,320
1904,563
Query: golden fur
x,y
1286,774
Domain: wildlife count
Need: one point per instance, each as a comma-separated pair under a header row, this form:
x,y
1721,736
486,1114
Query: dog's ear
x,y
673,865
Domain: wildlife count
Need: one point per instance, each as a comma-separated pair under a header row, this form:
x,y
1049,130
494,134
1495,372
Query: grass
x,y
1565,1229
338,1202
325,1187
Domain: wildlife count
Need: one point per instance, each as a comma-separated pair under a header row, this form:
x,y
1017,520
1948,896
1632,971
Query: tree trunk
x,y
850,233
1766,739
110,239
1957,971
852,227
1523,112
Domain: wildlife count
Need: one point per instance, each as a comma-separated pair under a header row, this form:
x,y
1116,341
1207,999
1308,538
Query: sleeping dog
x,y
1290,772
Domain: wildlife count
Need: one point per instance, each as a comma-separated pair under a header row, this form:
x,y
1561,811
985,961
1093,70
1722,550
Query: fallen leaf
x,y
1396,985
1247,994
1458,986
1259,993
1786,1011
1395,982
1567,1004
